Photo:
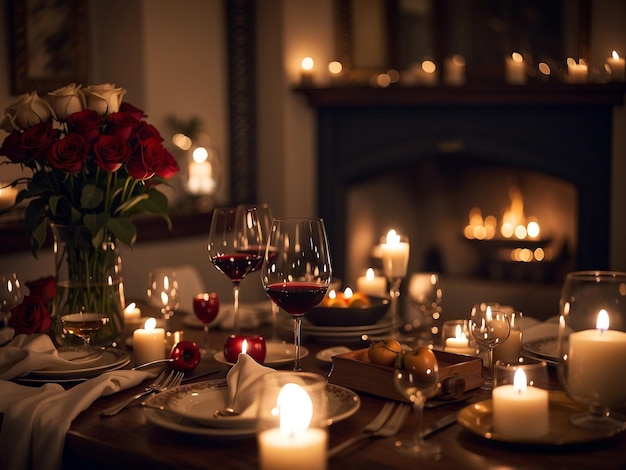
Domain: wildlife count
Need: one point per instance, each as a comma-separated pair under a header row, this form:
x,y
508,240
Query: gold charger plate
x,y
478,418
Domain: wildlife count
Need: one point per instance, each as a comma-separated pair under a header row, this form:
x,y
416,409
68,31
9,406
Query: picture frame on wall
x,y
48,44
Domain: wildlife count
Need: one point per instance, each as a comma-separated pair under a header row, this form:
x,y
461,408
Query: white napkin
x,y
37,419
26,353
251,315
6,335
244,381
539,330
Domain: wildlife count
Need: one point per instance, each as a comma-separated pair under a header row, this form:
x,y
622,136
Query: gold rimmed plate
x,y
478,418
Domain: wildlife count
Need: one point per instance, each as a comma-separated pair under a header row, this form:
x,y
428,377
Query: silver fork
x,y
381,426
162,382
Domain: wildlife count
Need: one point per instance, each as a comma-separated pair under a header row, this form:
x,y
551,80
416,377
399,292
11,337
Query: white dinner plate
x,y
276,354
110,359
342,403
326,355
339,333
543,348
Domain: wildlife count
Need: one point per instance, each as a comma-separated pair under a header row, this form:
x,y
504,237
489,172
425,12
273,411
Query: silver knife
x,y
441,423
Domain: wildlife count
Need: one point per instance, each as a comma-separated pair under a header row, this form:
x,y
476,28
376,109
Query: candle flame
x,y
295,409
458,334
517,57
369,274
244,346
332,294
150,324
307,64
519,381
130,307
602,323
392,237
347,293
615,55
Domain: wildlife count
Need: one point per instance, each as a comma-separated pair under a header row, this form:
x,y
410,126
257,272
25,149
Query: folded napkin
x,y
244,382
251,315
37,419
26,353
6,335
539,330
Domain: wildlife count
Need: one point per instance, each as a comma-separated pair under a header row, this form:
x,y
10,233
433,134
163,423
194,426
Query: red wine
x,y
254,251
205,307
296,298
236,266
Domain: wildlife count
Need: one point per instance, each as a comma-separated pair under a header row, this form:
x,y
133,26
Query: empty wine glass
x,y
591,347
163,293
418,385
489,328
235,247
297,274
425,296
10,295
206,307
83,324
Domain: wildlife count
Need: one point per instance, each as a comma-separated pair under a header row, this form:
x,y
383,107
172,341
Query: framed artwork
x,y
48,44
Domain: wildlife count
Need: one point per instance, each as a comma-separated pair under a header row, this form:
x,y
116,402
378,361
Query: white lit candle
x,y
616,66
306,71
577,72
371,284
335,70
395,254
520,411
459,344
149,342
132,312
597,362
294,444
515,68
510,349
454,70
201,180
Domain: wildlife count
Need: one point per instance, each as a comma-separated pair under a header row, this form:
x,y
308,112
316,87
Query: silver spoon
x,y
229,410
152,363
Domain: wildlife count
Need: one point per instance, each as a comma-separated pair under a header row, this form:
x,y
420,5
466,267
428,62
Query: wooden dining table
x,y
130,440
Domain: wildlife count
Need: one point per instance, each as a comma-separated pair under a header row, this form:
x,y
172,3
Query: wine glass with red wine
x,y
206,306
297,269
235,247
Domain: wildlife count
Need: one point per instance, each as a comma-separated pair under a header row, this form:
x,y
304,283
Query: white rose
x,y
67,100
25,112
104,98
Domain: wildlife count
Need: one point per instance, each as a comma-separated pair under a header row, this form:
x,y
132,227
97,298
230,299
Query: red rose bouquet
x,y
33,314
90,159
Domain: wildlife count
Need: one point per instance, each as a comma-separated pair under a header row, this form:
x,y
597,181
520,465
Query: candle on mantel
x,y
294,444
306,72
454,70
395,254
515,69
132,312
520,411
335,69
371,284
596,362
616,66
459,344
201,180
149,343
577,72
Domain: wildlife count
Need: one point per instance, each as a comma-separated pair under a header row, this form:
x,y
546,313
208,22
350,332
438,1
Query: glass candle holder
x,y
292,424
456,338
521,399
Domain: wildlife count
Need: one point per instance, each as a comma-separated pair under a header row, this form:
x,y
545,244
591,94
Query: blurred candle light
x,y
576,72
615,64
201,172
454,70
371,284
306,72
515,68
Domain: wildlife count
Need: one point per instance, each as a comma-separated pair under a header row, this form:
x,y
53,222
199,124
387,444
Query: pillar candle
x,y
373,285
149,343
577,72
395,254
302,451
306,72
616,65
596,363
515,69
132,312
454,70
520,411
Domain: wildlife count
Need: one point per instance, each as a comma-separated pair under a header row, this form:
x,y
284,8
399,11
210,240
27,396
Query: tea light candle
x,y
597,362
577,72
395,255
520,411
149,342
294,444
459,344
454,70
132,312
371,284
515,69
616,65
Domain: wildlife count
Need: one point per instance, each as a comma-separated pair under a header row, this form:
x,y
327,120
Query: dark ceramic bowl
x,y
350,316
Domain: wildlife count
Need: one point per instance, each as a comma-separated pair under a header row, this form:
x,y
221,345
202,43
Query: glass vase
x,y
88,279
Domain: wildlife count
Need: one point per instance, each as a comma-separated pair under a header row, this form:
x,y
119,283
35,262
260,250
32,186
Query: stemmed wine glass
x,y
425,295
417,385
489,327
163,293
266,217
83,324
10,295
297,274
591,347
206,307
235,247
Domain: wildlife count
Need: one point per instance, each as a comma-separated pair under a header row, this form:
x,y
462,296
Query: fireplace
x,y
391,157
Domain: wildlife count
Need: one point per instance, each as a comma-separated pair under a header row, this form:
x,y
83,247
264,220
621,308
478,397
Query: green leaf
x,y
123,229
128,205
95,222
91,196
35,214
38,237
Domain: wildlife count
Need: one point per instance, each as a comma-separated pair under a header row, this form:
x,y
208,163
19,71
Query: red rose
x,y
169,165
31,316
121,124
38,139
133,110
12,149
110,152
69,154
44,287
145,131
149,160
87,123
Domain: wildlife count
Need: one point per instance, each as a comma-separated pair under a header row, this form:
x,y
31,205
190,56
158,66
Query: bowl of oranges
x,y
348,308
